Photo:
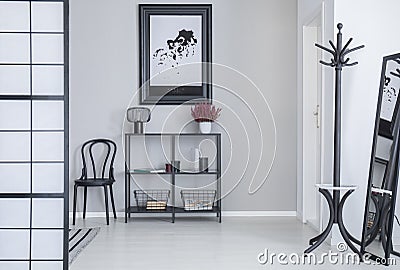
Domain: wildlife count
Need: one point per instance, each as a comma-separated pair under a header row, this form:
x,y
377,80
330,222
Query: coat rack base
x,y
335,217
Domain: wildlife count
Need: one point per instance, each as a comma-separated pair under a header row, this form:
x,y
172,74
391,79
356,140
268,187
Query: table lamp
x,y
138,116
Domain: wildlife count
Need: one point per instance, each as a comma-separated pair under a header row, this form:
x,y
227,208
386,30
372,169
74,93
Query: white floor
x,y
199,243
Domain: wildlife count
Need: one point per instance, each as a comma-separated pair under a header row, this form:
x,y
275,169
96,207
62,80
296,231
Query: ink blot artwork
x,y
397,73
183,46
389,90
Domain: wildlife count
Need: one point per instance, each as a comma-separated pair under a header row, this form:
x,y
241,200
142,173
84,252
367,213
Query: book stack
x,y
156,205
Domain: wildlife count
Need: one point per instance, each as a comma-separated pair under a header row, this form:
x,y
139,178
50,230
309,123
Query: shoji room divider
x,y
33,135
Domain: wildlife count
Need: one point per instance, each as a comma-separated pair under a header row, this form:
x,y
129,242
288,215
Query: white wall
x,y
257,38
376,26
306,11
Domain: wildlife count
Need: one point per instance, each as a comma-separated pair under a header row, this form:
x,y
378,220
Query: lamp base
x,y
138,127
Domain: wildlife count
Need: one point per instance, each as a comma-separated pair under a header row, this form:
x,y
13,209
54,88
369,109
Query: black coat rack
x,y
338,61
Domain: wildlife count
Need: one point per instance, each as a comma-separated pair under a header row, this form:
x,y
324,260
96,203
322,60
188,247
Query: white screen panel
x,y
48,178
48,115
48,146
47,17
15,178
14,16
47,244
47,266
48,213
15,146
17,246
48,80
15,115
14,48
14,80
47,49
14,265
23,221
15,213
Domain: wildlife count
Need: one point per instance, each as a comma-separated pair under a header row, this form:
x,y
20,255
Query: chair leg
x,y
112,201
74,207
106,203
84,202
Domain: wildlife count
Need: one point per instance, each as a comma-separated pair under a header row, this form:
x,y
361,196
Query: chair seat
x,y
94,182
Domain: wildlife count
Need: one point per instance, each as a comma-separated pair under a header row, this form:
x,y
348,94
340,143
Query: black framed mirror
x,y
384,165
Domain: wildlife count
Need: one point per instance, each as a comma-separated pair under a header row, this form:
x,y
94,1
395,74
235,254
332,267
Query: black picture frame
x,y
174,93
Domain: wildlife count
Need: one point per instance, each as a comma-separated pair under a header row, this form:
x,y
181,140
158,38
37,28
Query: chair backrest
x,y
106,159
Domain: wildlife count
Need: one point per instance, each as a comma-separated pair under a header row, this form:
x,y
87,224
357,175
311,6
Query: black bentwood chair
x,y
110,149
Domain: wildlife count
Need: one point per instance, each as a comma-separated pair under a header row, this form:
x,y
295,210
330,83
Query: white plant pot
x,y
205,127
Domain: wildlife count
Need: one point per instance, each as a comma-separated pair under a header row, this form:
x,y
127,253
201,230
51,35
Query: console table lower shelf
x,y
172,210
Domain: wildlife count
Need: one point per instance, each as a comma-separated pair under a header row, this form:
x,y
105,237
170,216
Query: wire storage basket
x,y
152,199
198,200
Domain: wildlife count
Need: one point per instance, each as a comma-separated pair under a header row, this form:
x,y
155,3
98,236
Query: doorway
x,y
311,130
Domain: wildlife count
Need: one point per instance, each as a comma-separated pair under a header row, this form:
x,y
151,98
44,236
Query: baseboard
x,y
259,213
224,213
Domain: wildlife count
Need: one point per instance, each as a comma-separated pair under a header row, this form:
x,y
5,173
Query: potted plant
x,y
204,113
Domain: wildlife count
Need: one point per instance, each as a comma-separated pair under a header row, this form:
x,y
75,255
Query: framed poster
x,y
174,53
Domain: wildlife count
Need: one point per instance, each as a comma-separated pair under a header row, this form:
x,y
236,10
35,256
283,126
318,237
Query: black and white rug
x,y
79,239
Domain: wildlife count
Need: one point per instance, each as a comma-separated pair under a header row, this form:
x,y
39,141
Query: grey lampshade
x,y
138,114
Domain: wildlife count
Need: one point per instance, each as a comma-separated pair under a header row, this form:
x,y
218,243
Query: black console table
x,y
172,209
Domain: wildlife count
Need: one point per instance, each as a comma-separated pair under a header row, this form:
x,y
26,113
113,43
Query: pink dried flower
x,y
205,112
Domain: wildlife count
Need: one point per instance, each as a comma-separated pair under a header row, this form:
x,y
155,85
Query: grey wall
x,y
256,38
